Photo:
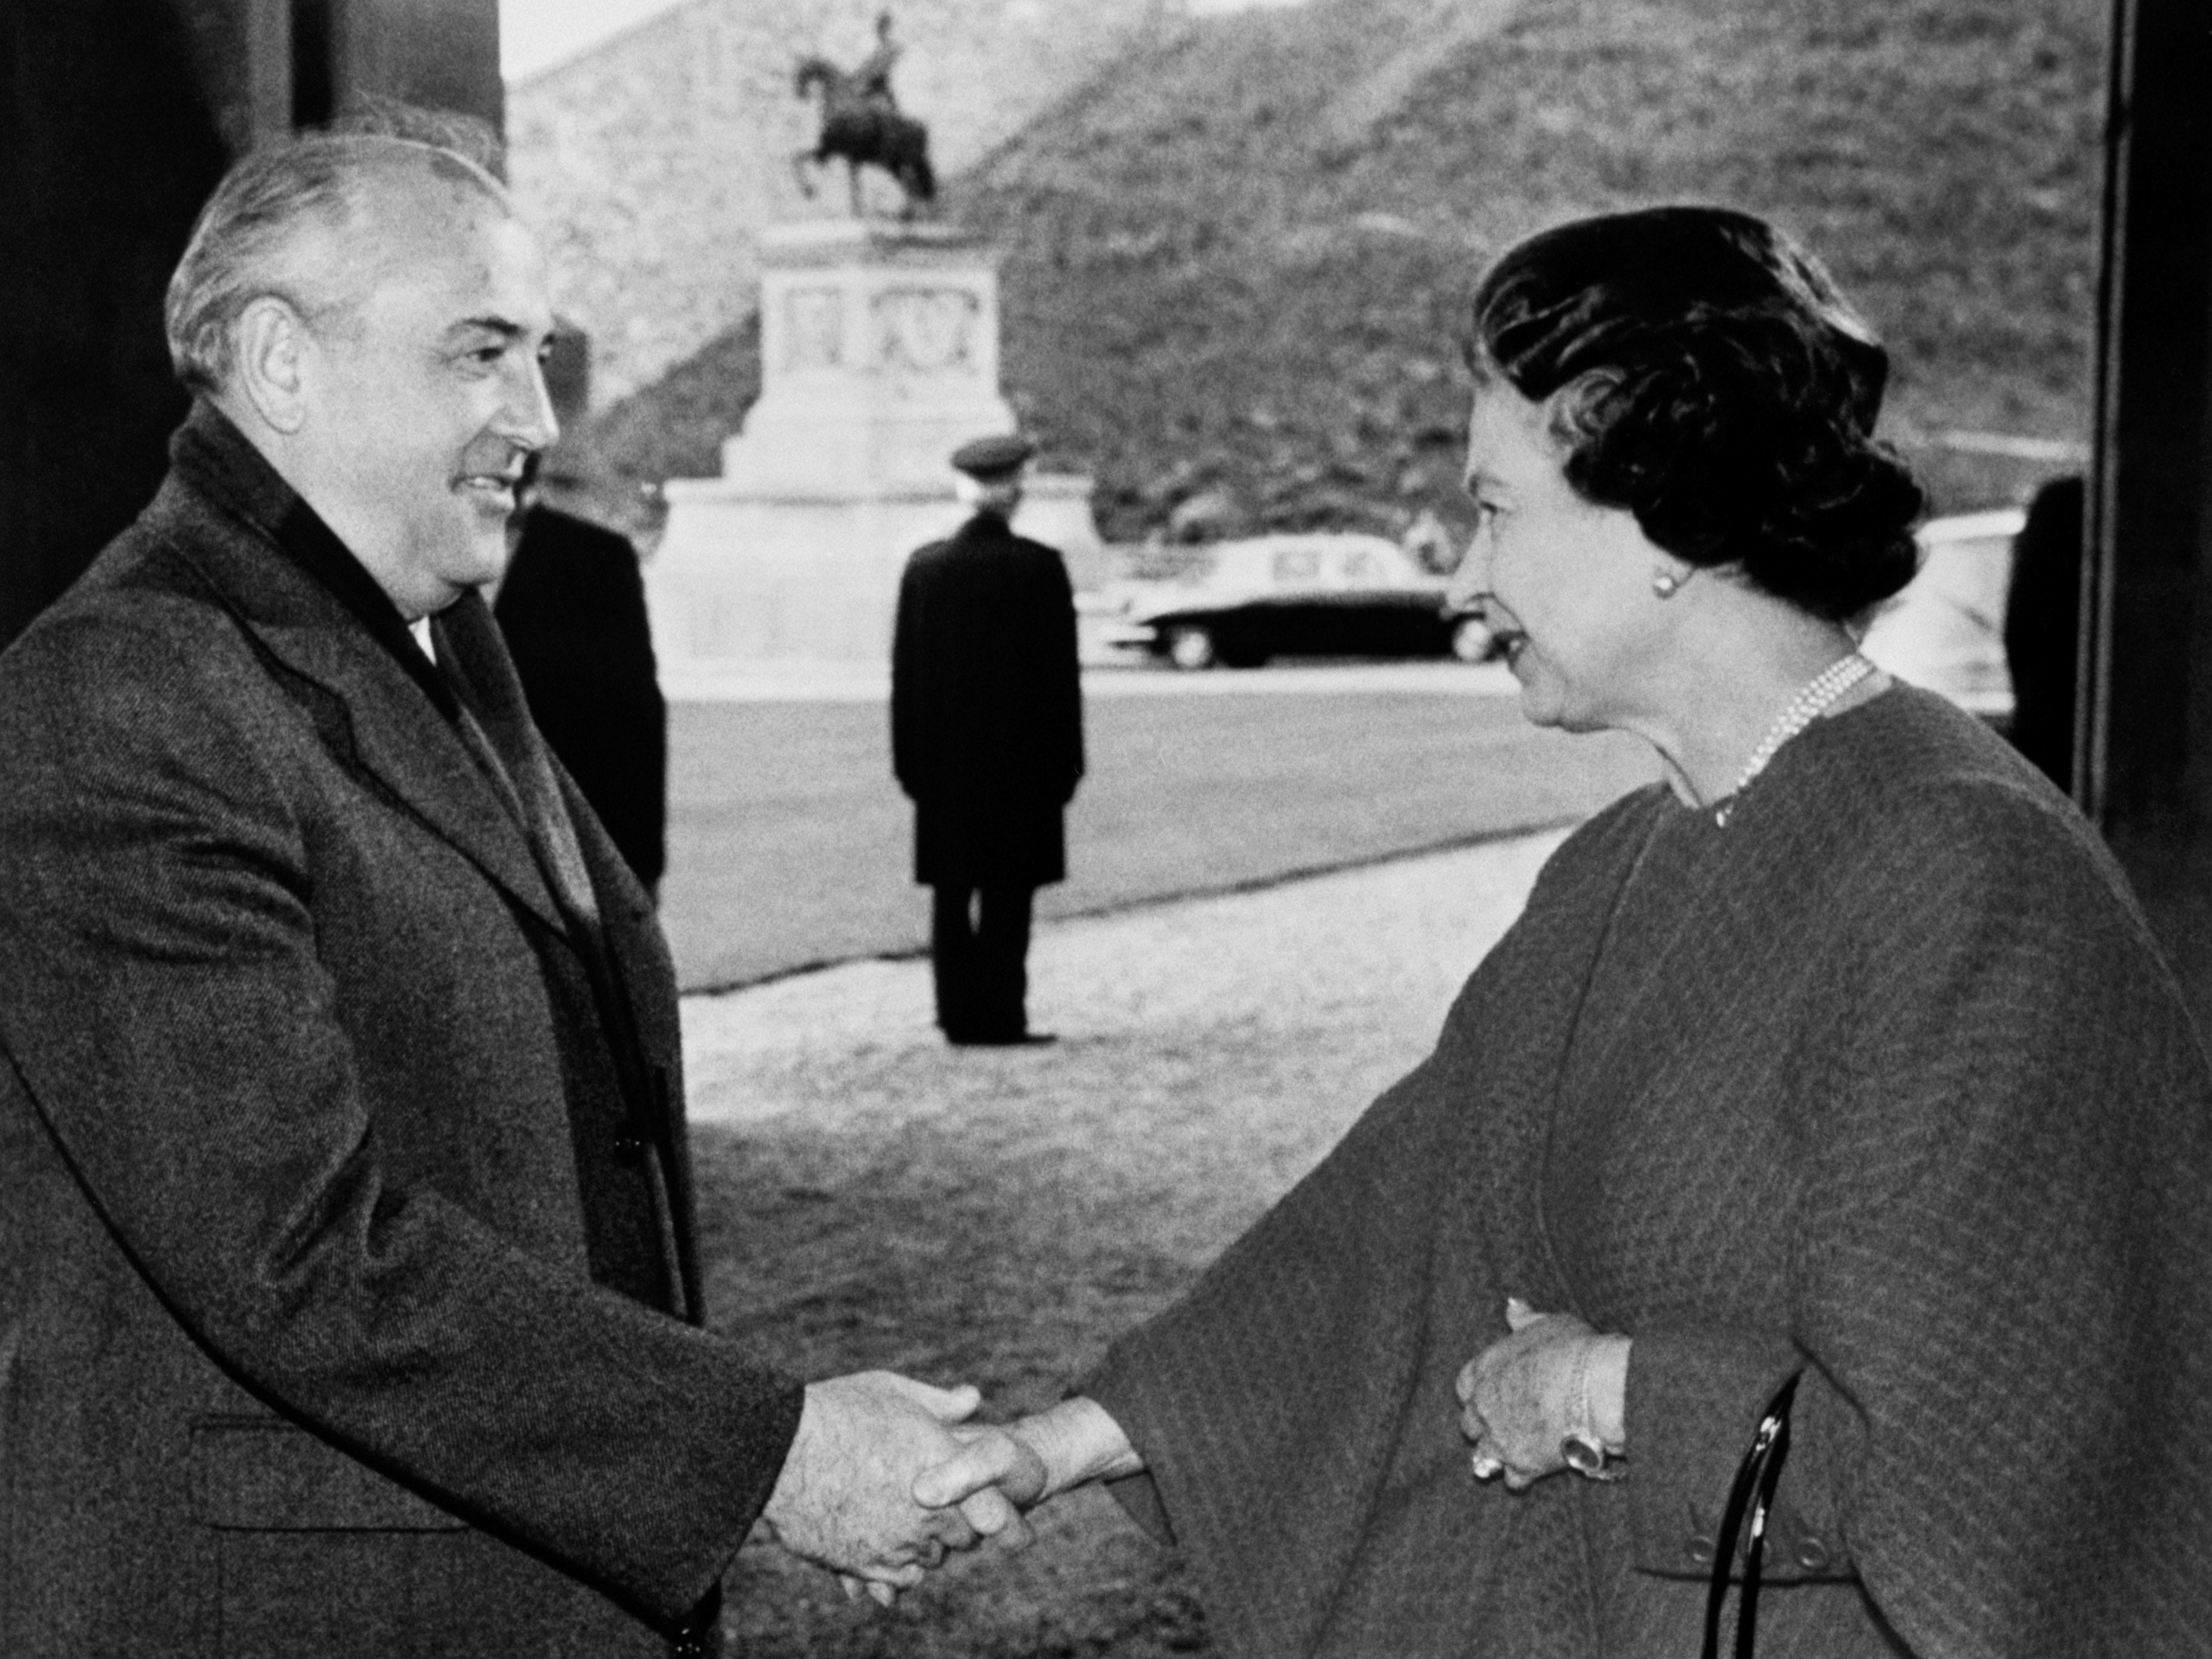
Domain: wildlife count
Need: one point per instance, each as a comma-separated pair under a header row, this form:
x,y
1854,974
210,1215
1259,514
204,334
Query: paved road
x,y
789,846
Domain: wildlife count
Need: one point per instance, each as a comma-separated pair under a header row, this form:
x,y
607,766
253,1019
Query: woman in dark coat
x,y
1840,1055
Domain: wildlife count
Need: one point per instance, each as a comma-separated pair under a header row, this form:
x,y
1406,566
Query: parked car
x,y
1946,631
1238,604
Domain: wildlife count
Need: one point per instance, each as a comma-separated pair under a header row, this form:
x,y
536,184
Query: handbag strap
x,y
1750,1497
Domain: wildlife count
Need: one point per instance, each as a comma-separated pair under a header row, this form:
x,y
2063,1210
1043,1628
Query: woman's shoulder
x,y
1906,727
1616,831
1909,764
1933,811
1602,848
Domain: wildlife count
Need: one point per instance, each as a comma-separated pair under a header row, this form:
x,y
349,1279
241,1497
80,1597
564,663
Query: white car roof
x,y
1268,561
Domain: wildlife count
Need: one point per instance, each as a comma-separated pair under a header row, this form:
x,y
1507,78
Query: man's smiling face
x,y
428,394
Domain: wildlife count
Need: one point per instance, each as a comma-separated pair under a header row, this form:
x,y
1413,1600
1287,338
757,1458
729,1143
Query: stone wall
x,y
650,162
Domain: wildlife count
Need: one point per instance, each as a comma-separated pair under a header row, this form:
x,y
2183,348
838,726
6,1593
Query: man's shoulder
x,y
153,624
569,536
132,669
988,538
565,562
930,555
1042,573
141,582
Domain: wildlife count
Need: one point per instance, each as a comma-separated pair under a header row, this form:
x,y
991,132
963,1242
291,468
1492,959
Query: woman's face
x,y
1565,584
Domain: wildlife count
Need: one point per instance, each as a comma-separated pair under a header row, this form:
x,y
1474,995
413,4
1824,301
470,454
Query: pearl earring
x,y
1666,584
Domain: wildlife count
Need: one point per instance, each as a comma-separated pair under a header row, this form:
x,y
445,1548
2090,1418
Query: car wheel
x,y
1191,648
1471,641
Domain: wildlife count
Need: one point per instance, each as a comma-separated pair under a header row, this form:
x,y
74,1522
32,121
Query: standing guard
x,y
987,741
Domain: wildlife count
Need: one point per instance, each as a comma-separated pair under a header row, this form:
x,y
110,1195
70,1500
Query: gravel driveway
x,y
870,1197
1380,950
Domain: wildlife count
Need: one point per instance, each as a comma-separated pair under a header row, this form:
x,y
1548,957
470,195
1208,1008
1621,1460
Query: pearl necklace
x,y
1822,689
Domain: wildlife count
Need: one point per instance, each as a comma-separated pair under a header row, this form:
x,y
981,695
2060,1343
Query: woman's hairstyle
x,y
1706,375
253,237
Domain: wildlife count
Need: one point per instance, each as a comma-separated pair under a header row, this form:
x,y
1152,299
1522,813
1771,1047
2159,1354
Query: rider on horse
x,y
861,124
872,80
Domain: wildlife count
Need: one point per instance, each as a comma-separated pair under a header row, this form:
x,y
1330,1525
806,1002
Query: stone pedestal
x,y
879,357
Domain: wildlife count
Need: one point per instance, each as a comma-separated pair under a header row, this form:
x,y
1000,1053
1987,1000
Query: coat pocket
x,y
266,1477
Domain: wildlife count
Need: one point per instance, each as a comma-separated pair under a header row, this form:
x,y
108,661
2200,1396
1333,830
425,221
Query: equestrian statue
x,y
862,124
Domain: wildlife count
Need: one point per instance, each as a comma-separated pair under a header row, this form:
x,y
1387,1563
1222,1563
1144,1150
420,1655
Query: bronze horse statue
x,y
863,131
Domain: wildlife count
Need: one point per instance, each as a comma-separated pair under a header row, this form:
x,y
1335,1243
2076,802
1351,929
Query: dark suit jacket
x,y
987,707
339,1234
572,609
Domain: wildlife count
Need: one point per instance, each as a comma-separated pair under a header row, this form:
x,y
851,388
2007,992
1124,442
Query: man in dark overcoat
x,y
987,741
349,1292
571,608
2042,623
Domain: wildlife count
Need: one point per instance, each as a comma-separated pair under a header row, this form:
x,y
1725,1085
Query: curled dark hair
x,y
1707,375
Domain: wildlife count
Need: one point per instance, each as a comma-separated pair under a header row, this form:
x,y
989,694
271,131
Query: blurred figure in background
x,y
987,741
572,607
2043,618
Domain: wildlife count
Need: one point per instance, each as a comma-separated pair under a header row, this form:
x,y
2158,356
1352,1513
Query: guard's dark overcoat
x,y
572,609
986,709
337,1300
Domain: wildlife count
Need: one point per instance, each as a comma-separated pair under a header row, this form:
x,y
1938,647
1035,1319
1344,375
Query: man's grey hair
x,y
245,245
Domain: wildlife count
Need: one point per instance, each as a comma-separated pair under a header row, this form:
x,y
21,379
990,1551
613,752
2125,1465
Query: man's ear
x,y
271,374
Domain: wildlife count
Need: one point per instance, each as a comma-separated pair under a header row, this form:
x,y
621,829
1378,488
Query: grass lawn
x,y
789,844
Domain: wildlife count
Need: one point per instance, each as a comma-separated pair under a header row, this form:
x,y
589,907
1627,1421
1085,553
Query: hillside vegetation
x,y
651,161
1237,267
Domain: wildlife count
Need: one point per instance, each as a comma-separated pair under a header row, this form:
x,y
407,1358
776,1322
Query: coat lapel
x,y
394,733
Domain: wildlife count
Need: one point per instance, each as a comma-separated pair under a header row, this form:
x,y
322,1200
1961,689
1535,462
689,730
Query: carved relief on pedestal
x,y
880,358
929,331
813,329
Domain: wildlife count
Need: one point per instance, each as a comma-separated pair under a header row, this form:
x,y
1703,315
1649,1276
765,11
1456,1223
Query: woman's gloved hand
x,y
1549,1394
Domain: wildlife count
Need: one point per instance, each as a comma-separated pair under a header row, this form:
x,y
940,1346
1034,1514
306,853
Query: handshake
x,y
886,1475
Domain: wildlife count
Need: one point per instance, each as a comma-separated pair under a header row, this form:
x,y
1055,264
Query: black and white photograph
x,y
1102,829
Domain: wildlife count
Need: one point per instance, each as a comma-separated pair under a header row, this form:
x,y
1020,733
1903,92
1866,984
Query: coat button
x,y
1701,1551
628,1146
1812,1554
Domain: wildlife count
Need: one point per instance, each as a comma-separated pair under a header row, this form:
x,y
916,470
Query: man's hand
x,y
1000,1460
845,1499
1030,1461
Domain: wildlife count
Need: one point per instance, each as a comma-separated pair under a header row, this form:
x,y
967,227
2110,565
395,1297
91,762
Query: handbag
x,y
1750,1500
